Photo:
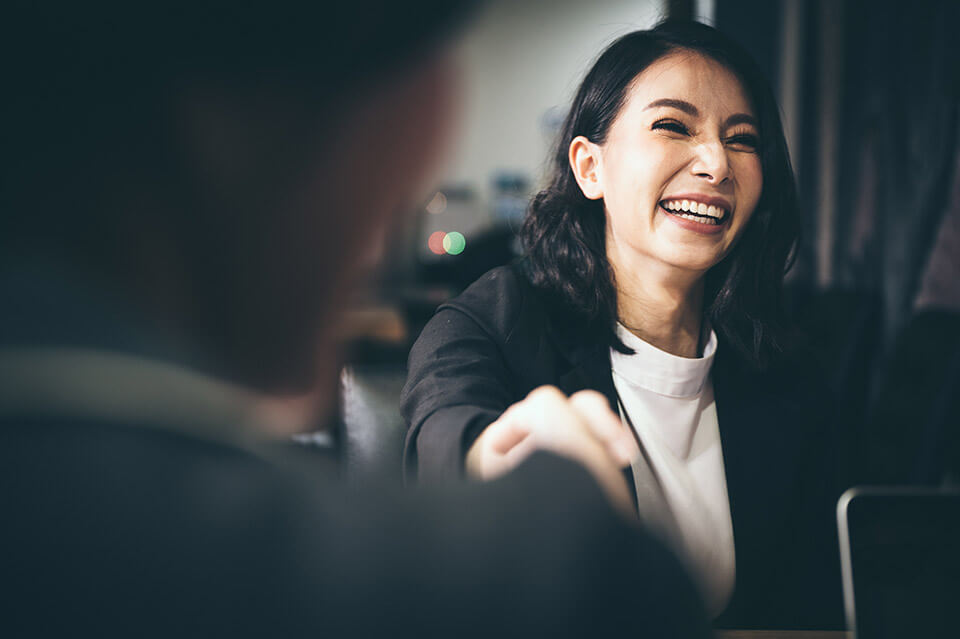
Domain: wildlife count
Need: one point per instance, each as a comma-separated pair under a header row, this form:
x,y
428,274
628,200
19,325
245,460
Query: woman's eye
x,y
670,125
745,141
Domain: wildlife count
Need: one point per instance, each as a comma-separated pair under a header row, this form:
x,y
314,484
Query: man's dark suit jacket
x,y
501,338
121,520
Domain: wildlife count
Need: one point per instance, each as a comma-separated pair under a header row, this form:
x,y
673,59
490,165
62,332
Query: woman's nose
x,y
711,162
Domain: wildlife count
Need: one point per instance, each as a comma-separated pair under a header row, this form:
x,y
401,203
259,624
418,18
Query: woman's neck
x,y
661,305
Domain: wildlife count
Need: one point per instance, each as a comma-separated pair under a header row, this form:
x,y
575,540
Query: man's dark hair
x,y
88,79
92,119
564,233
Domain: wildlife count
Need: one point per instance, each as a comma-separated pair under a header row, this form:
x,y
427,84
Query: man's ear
x,y
584,158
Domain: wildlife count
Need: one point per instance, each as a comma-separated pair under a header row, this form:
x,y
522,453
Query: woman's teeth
x,y
696,211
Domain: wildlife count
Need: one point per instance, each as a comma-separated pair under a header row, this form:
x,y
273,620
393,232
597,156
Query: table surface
x,y
783,634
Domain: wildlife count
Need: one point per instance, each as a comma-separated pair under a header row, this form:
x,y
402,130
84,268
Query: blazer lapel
x,y
756,438
590,369
734,428
730,402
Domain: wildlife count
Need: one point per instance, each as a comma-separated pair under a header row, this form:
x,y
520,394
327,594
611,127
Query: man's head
x,y
222,166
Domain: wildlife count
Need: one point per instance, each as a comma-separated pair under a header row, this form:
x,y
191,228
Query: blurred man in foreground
x,y
186,197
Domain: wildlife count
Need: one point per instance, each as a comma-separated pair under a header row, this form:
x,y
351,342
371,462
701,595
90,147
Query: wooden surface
x,y
782,634
379,323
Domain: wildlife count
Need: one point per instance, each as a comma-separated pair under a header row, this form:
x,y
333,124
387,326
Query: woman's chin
x,y
688,261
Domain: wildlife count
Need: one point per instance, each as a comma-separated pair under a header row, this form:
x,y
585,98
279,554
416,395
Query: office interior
x,y
868,92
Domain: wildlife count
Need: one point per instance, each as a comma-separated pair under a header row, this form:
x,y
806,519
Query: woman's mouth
x,y
698,212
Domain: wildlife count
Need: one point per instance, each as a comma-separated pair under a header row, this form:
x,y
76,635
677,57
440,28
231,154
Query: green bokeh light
x,y
454,243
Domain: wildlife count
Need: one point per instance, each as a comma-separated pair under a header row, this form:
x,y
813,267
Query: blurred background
x,y
869,99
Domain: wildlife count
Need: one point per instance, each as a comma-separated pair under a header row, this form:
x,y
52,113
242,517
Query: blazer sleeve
x,y
459,380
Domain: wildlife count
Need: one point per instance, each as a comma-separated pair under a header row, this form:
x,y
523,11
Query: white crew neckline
x,y
661,372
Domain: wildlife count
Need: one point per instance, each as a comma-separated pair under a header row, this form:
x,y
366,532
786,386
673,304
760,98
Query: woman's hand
x,y
580,427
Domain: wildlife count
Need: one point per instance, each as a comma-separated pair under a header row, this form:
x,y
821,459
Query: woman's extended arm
x,y
458,383
479,398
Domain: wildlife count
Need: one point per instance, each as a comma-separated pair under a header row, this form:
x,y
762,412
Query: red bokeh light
x,y
435,243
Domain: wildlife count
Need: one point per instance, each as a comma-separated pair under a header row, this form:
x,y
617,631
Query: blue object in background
x,y
511,194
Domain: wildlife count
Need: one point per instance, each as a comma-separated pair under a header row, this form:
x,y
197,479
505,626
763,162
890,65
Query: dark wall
x,y
755,24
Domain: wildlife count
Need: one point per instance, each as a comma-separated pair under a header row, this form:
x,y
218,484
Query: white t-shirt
x,y
669,400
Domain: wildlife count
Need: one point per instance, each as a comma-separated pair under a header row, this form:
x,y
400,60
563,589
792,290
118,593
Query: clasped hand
x,y
580,427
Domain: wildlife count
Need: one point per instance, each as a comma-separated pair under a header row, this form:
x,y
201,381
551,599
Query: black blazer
x,y
501,338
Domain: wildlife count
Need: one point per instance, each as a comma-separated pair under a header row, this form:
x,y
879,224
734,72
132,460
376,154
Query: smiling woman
x,y
679,178
654,263
679,98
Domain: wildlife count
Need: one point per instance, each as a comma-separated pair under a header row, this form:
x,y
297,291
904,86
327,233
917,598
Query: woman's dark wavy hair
x,y
564,232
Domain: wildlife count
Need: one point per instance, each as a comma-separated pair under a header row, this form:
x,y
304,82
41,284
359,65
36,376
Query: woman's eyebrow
x,y
740,118
681,105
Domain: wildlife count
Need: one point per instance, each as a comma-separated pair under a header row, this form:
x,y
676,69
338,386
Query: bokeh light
x,y
438,204
454,243
435,243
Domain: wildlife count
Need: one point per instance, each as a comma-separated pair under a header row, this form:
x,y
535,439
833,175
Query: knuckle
x,y
588,392
546,393
593,403
589,396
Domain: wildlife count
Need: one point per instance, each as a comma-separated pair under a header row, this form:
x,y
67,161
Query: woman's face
x,y
679,172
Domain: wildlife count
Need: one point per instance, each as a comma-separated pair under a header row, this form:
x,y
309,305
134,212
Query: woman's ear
x,y
584,158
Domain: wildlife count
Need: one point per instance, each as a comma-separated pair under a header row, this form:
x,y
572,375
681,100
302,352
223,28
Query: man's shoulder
x,y
206,531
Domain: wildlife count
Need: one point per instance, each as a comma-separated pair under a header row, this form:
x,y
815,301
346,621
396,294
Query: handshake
x,y
580,427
